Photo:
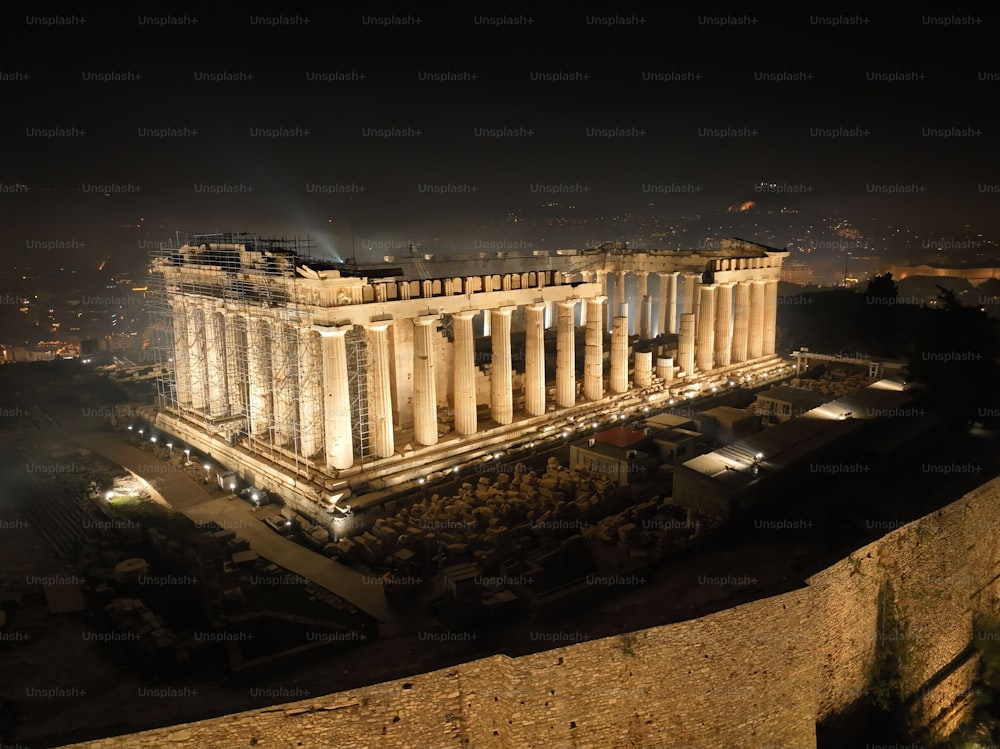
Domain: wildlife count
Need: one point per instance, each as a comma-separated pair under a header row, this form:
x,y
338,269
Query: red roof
x,y
620,436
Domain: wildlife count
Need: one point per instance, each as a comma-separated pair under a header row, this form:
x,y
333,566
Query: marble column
x,y
196,355
644,305
723,324
619,351
662,303
741,322
688,304
604,278
182,364
259,376
685,344
705,346
566,354
501,376
695,280
380,426
755,349
534,359
215,366
663,311
671,326
338,439
311,430
770,315
643,369
593,358
236,373
284,382
464,401
665,369
425,413
619,298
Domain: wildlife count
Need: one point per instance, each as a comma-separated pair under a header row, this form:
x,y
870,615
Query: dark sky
x,y
666,133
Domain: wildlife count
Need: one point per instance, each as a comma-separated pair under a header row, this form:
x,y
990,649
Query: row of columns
x,y
295,381
668,298
502,405
335,377
229,364
739,321
736,322
670,302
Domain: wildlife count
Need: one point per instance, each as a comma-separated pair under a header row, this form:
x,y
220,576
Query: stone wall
x,y
756,675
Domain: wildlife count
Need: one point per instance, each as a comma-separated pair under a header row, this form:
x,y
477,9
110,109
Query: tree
x,y
882,288
954,353
879,321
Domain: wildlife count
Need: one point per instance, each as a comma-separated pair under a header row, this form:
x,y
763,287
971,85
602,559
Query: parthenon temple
x,y
333,369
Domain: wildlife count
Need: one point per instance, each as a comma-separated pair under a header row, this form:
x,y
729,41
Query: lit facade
x,y
309,377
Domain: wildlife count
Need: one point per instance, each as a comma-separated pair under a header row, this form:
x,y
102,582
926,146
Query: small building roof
x,y
612,452
728,414
668,420
620,436
673,436
801,399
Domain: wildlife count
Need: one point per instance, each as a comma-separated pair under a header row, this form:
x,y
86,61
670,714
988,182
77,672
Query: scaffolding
x,y
358,367
239,360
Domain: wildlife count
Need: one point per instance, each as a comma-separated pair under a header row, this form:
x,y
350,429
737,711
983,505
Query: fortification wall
x,y
756,675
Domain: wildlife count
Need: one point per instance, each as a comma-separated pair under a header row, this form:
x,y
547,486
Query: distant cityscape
x,y
67,297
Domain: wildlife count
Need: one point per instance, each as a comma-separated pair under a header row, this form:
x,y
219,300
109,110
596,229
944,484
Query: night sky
x,y
657,122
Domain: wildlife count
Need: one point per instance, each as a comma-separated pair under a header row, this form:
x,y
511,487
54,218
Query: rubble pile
x,y
651,531
491,519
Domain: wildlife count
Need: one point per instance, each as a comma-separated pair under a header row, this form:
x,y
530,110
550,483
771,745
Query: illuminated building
x,y
314,379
